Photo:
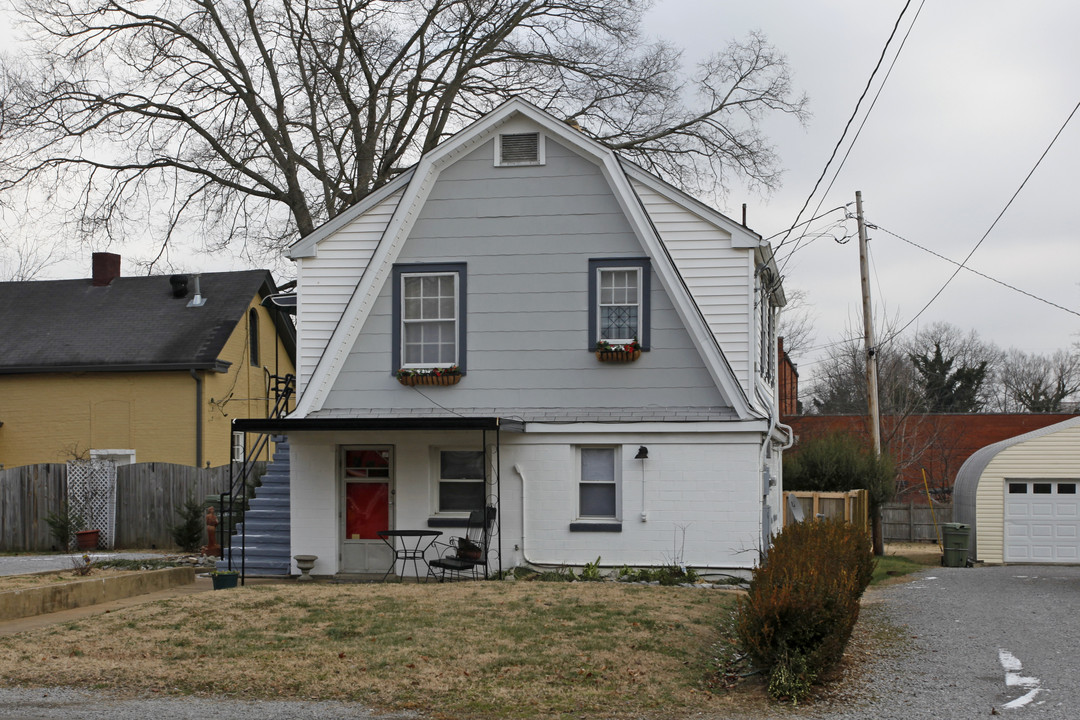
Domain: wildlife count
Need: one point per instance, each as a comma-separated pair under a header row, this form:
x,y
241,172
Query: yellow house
x,y
138,369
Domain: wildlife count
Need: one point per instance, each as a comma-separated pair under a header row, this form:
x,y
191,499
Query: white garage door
x,y
1042,521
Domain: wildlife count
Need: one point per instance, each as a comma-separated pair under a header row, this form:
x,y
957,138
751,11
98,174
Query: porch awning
x,y
285,425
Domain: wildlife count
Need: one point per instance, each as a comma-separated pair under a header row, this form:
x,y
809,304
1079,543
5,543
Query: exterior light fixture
x,y
642,455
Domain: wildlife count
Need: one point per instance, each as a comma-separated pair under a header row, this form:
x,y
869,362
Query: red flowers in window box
x,y
429,376
627,352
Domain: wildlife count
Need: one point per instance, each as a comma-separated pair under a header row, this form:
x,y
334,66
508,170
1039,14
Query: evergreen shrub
x,y
188,534
803,603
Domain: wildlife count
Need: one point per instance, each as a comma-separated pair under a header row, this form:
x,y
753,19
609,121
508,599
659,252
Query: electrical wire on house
x,y
847,126
807,222
963,265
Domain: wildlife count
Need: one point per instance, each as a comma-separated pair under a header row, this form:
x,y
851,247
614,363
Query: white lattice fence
x,y
92,492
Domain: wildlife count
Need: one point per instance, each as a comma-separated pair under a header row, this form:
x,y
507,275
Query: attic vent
x,y
520,149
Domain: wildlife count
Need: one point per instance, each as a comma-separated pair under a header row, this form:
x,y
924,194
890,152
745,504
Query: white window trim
x,y
617,462
456,321
599,303
120,457
239,443
541,151
436,478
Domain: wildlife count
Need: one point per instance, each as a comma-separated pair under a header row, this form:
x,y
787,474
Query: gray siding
x,y
718,275
329,279
527,234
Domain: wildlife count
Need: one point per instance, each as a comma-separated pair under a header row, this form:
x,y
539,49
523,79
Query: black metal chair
x,y
468,554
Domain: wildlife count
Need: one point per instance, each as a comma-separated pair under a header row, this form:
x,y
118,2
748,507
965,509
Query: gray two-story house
x,y
525,320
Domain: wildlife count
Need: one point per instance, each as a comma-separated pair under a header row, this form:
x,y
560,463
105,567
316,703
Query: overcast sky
x,y
977,94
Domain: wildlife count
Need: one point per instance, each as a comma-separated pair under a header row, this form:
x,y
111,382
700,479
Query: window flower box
x,y
629,352
429,376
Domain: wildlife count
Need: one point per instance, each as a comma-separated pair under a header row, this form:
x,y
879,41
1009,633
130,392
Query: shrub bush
x,y
188,534
803,603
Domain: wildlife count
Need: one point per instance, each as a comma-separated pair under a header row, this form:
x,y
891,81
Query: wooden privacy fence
x,y
27,495
908,522
149,497
852,506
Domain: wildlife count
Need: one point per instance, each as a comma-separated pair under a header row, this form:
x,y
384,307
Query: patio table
x,y
409,545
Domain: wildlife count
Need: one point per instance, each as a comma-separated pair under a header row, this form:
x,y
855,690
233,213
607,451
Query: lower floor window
x,y
598,486
462,486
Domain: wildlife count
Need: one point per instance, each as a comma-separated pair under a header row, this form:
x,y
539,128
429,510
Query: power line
x,y
862,124
847,126
963,265
973,270
807,222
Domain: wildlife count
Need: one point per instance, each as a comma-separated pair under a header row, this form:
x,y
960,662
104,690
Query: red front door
x,y
367,500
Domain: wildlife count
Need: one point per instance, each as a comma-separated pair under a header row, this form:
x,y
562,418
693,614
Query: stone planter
x,y
304,563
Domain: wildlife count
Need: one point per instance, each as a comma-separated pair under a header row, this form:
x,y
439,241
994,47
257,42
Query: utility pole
x,y
871,365
868,332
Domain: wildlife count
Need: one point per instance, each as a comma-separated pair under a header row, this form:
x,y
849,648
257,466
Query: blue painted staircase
x,y
261,542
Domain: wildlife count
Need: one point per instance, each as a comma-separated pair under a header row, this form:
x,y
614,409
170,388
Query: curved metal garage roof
x,y
967,478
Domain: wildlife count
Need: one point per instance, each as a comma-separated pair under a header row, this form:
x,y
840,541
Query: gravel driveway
x,y
971,629
973,632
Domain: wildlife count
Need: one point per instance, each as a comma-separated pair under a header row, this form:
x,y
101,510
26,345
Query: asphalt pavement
x,y
26,564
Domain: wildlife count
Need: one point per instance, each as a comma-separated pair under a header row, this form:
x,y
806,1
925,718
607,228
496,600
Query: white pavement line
x,y
1013,678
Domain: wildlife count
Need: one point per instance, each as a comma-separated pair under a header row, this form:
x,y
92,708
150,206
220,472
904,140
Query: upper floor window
x,y
429,316
519,149
619,301
253,337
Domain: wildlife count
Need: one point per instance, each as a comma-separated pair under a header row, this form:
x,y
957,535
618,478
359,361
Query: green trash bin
x,y
956,537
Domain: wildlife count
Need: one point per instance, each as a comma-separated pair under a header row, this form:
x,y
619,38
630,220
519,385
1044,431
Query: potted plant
x,y
87,539
429,376
223,579
625,352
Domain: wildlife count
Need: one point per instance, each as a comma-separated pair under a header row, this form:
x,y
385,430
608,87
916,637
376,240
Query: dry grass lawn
x,y
466,650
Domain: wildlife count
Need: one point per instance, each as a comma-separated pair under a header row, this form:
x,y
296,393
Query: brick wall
x,y
938,444
788,381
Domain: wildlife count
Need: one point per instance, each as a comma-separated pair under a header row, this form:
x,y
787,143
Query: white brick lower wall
x,y
702,496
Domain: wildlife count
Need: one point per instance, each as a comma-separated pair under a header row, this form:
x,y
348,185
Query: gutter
x,y
219,366
198,417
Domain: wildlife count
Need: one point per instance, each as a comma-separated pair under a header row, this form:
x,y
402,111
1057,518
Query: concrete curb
x,y
26,602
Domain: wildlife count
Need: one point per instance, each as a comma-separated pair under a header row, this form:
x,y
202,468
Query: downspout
x,y
774,423
524,514
198,417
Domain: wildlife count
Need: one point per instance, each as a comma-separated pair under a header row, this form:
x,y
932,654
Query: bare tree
x,y
839,386
259,120
1038,383
796,323
25,258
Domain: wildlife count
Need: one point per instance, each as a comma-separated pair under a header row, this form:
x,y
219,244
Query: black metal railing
x,y
233,503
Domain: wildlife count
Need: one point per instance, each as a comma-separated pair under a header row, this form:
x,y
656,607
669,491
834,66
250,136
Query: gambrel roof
x,y
625,180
